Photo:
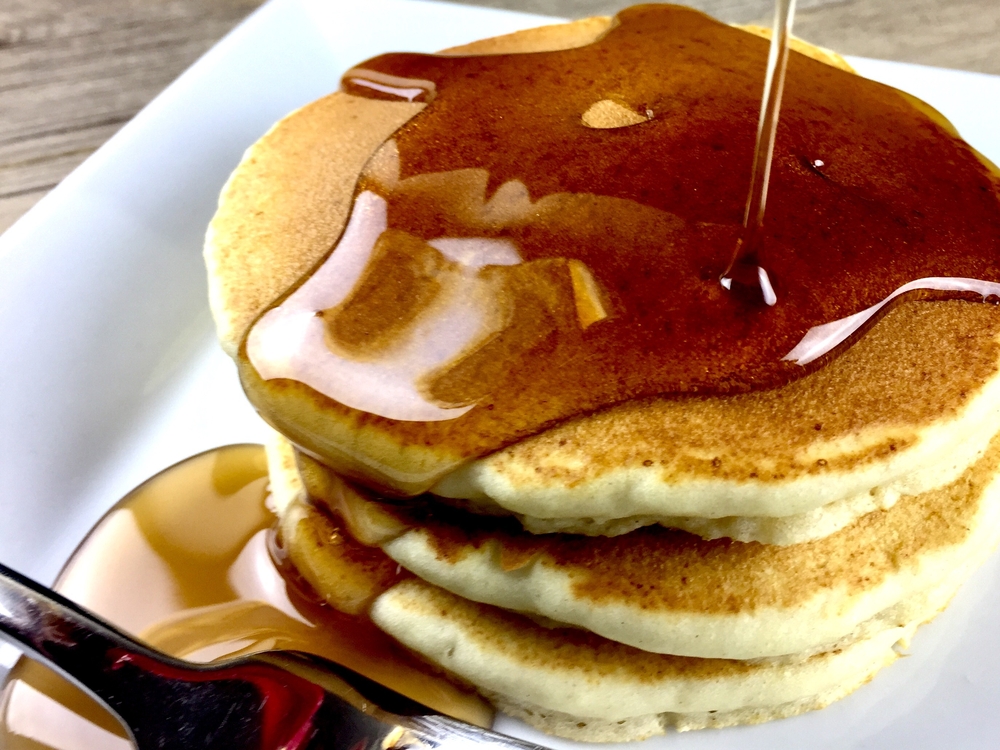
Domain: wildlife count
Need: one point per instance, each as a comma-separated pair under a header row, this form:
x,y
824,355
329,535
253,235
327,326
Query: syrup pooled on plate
x,y
184,563
514,259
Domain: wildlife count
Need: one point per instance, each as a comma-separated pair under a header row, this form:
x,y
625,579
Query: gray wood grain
x,y
962,34
74,71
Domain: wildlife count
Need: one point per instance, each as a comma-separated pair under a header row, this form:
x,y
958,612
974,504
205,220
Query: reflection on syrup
x,y
649,212
415,330
184,563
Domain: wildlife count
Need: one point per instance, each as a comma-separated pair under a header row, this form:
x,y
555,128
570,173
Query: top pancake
x,y
921,385
904,410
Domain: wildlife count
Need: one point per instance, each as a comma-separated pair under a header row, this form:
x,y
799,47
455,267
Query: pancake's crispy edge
x,y
577,672
921,385
668,591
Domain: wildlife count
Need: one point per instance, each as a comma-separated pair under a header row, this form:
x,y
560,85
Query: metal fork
x,y
273,701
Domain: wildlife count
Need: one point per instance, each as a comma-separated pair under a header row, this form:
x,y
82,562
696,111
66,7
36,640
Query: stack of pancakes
x,y
675,562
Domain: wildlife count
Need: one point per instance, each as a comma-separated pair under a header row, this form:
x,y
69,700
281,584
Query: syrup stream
x,y
745,269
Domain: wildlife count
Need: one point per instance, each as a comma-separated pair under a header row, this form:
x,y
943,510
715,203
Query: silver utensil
x,y
273,701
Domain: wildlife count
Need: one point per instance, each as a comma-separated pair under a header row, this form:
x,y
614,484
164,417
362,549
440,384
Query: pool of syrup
x,y
184,562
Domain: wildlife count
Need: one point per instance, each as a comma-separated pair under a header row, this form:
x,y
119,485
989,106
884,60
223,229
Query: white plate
x,y
109,369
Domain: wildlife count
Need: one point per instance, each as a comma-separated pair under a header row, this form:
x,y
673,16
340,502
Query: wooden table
x,y
74,71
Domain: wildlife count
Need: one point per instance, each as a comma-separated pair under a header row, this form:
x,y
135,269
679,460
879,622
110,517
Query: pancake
x,y
667,591
893,415
614,468
573,684
679,561
842,441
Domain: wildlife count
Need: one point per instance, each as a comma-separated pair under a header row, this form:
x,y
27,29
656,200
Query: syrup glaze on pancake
x,y
890,205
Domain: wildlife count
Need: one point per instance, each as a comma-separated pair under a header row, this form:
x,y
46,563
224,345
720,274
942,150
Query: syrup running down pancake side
x,y
521,252
184,562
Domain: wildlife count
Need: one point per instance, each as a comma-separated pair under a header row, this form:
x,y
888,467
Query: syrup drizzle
x,y
745,271
620,228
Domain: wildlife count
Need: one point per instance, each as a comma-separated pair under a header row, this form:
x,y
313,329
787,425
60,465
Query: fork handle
x,y
163,702
55,631
168,704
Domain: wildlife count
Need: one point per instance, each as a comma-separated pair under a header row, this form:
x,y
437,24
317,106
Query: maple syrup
x,y
744,273
184,562
508,266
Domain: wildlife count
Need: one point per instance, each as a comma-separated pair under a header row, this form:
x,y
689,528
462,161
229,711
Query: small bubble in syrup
x,y
818,163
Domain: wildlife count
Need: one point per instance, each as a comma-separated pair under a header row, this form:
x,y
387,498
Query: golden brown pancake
x,y
892,415
903,564
669,591
874,474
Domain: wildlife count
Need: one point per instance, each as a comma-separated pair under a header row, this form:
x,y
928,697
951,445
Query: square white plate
x,y
109,370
